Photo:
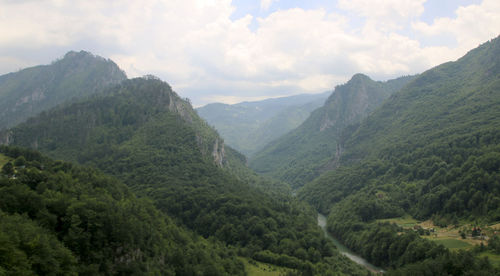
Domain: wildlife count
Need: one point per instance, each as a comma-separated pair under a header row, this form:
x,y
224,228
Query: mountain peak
x,y
32,90
71,54
360,77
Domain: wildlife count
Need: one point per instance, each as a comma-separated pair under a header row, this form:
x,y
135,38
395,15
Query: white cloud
x,y
472,25
385,14
205,55
405,9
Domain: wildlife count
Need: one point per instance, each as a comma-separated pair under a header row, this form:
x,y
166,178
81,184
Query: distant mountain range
x,y
248,126
29,91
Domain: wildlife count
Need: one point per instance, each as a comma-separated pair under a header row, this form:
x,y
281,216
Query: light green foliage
x,y
452,243
492,257
254,268
3,160
27,92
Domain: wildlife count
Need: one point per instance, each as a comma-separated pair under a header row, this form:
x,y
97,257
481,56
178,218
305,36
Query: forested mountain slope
x,y
60,219
313,147
142,133
431,151
29,91
248,126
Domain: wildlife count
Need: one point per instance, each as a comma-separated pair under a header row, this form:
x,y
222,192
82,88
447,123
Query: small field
x,y
447,236
453,244
254,268
406,221
3,160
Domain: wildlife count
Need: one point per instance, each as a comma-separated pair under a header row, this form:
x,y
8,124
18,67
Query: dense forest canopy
x,y
142,133
61,219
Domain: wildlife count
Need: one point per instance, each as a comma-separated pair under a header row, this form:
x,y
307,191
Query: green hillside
x,y
142,133
313,147
60,219
29,91
431,151
249,126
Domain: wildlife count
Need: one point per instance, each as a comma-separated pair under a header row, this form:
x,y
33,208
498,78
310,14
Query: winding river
x,y
344,250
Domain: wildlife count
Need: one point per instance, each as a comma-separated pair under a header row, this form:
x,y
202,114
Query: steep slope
x,y
248,126
313,147
60,219
78,74
142,133
431,151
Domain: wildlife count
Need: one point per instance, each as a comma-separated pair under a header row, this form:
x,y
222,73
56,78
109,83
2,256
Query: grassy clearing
x,y
255,268
452,243
495,226
406,221
447,236
4,159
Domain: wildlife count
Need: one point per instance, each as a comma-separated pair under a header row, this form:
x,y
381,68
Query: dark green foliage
x,y
305,152
402,252
248,126
442,160
431,151
59,219
494,244
142,133
32,90
8,169
28,249
460,263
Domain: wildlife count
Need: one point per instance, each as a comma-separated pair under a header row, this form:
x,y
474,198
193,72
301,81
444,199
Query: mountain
x,y
29,91
248,126
144,134
57,218
303,153
431,151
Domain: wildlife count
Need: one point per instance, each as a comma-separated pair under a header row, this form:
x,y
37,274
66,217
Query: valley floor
x,y
451,236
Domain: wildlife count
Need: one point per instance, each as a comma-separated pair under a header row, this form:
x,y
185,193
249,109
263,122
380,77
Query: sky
x,y
242,50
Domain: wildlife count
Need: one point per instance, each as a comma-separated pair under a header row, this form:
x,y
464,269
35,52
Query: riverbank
x,y
345,251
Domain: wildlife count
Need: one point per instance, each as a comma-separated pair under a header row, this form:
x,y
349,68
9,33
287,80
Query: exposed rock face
x,y
351,102
181,107
5,137
219,152
316,145
184,109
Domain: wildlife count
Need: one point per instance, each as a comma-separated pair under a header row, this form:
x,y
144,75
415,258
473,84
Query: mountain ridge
x,y
143,134
248,126
32,90
430,152
301,155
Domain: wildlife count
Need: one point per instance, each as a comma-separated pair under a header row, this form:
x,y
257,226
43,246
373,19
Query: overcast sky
x,y
230,51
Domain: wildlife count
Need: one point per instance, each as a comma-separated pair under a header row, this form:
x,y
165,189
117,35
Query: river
x,y
345,251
